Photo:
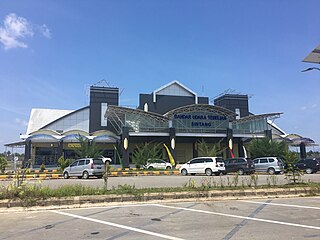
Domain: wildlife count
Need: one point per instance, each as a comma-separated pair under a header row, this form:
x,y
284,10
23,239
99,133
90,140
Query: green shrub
x,y
42,167
63,163
3,164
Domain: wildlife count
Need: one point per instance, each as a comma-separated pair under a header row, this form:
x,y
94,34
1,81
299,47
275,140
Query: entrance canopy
x,y
314,56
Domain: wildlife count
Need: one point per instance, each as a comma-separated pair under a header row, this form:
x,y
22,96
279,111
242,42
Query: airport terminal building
x,y
172,114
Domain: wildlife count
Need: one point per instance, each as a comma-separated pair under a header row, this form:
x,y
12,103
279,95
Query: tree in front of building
x,y
87,149
293,175
3,164
63,163
266,147
206,150
147,151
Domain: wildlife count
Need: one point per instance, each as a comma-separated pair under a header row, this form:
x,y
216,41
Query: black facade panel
x,y
164,103
234,101
100,95
203,100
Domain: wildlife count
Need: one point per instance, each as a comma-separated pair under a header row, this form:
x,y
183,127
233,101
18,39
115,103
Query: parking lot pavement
x,y
292,218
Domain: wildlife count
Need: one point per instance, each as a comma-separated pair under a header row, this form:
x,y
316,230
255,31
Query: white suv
x,y
203,165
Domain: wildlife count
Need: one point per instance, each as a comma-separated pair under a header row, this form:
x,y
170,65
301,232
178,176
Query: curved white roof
x,y
42,117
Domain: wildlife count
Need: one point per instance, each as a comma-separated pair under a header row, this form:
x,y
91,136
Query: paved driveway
x,y
294,218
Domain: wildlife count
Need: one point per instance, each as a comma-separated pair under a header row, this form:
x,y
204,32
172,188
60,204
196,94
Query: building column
x,y
27,153
125,146
172,134
229,137
303,152
268,134
195,150
60,149
240,149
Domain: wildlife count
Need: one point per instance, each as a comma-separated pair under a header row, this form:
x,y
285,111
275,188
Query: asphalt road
x,y
263,219
172,181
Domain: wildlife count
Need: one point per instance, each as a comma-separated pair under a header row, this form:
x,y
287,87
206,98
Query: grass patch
x,y
33,192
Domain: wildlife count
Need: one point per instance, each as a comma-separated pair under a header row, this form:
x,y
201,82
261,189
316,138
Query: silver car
x,y
84,168
270,165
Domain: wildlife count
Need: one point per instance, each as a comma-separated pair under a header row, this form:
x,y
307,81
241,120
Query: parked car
x,y
106,159
203,165
239,165
270,165
158,164
84,168
309,165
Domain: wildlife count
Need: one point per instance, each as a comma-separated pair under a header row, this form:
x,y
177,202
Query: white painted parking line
x,y
118,226
282,204
241,217
110,207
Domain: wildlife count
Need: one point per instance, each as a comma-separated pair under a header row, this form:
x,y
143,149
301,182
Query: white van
x,y
203,165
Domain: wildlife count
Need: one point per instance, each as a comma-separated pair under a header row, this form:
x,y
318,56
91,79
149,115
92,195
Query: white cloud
x,y
21,122
15,29
45,31
313,106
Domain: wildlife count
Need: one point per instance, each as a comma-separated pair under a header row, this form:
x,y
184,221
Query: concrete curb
x,y
64,202
112,174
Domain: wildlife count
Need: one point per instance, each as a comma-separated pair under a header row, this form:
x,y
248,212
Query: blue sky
x,y
51,51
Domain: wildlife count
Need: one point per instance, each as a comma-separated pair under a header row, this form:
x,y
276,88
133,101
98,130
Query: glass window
x,y
256,161
263,160
219,159
74,164
194,161
81,162
208,160
240,161
87,161
97,161
271,160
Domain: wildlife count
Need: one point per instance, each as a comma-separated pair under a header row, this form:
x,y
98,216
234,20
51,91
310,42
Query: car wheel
x,y
241,171
184,172
85,175
208,172
150,168
168,168
66,175
271,171
309,171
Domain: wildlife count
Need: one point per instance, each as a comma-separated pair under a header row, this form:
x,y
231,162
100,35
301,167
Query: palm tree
x,y
87,149
266,147
204,150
